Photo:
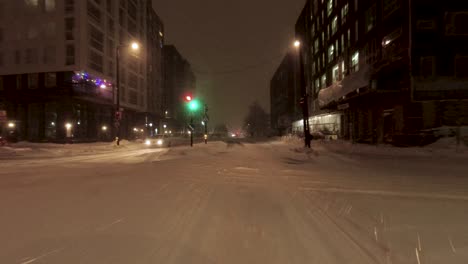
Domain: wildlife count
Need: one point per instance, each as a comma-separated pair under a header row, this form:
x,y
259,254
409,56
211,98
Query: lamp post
x,y
118,114
304,96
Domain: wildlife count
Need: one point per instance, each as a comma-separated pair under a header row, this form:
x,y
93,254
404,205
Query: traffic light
x,y
193,105
188,98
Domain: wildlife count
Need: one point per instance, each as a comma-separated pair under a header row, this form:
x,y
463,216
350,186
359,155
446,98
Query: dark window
x,y
133,97
456,23
427,66
31,56
17,57
1,83
132,11
95,61
111,27
48,56
1,34
390,6
121,17
461,66
50,79
94,12
69,6
1,59
426,24
33,80
19,82
70,55
96,38
109,6
69,26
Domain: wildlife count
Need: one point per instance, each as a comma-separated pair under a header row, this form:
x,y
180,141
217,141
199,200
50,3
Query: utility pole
x,y
304,101
191,129
205,121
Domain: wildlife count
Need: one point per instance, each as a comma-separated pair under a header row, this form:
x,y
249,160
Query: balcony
x,y
349,84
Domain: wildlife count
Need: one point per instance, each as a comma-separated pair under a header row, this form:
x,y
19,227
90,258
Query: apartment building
x,y
384,70
58,67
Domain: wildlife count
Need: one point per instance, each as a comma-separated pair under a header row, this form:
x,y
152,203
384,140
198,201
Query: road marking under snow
x,y
246,169
102,228
388,193
417,255
42,256
451,245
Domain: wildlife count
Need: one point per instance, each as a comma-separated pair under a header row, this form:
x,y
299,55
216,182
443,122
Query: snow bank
x,y
445,147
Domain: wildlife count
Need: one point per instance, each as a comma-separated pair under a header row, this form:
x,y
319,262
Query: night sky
x,y
233,46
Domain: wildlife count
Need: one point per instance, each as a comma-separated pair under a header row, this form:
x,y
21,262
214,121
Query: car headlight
x,y
160,142
148,142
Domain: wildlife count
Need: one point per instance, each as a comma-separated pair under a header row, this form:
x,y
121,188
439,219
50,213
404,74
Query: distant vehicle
x,y
3,141
160,141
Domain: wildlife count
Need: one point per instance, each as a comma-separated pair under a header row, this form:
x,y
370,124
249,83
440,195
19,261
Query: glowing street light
x,y
297,43
104,128
68,126
11,125
135,46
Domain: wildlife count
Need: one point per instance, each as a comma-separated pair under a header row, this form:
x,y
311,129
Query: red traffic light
x,y
188,98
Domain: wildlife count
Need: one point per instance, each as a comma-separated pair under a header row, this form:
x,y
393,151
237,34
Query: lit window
x,y
343,69
335,73
344,14
317,85
316,46
324,81
355,62
334,25
371,18
331,53
49,5
330,7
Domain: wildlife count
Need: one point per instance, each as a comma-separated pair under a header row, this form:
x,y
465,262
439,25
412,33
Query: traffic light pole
x,y
191,130
305,102
206,124
117,79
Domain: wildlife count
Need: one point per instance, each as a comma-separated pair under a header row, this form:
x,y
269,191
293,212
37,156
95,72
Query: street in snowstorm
x,y
234,202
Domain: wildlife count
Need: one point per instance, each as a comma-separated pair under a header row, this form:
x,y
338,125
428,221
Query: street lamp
x,y
134,46
304,96
297,43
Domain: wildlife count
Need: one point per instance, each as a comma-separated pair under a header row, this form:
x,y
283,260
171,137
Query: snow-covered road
x,y
233,203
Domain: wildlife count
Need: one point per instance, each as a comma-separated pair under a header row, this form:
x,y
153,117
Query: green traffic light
x,y
194,105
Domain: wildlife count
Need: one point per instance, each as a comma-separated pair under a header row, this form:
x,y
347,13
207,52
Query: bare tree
x,y
256,123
